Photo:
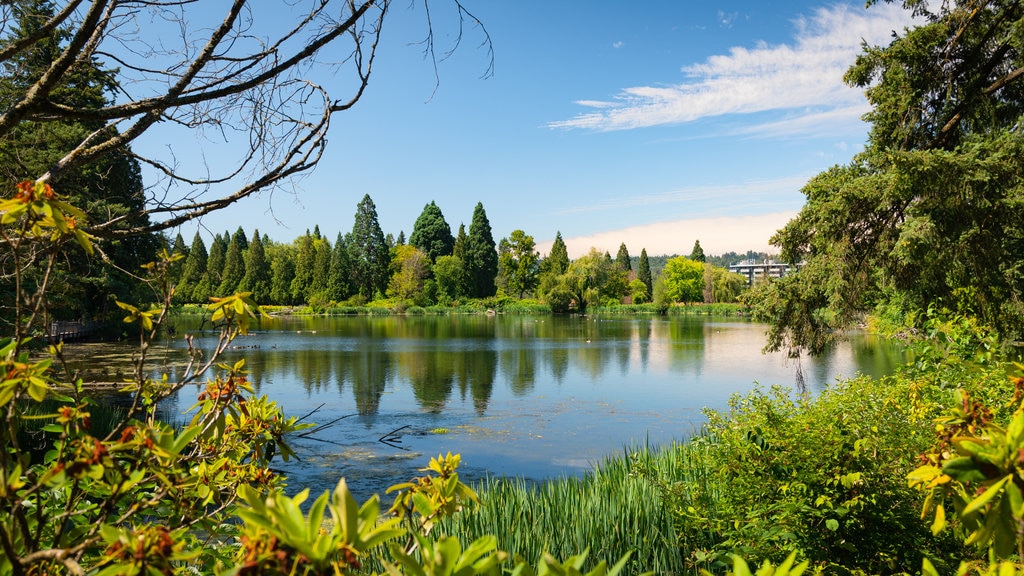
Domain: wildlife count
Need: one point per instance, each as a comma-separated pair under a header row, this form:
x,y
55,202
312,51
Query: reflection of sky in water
x,y
539,397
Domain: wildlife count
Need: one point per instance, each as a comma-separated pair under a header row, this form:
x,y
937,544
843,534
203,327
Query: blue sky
x,y
650,123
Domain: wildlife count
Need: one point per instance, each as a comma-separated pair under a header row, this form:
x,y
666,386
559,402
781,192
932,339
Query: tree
x,y
684,280
369,254
257,276
449,278
557,261
214,267
204,72
410,266
622,258
176,268
193,272
234,266
431,233
339,287
643,273
481,258
697,254
108,188
518,264
282,272
930,214
305,263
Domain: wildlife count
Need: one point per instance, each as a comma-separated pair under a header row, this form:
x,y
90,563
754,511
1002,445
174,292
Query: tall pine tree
x,y
369,253
643,272
481,259
257,272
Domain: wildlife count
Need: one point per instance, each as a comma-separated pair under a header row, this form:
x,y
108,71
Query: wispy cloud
x,y
803,77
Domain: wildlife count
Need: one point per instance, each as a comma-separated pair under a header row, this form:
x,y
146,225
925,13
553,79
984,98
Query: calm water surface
x,y
538,397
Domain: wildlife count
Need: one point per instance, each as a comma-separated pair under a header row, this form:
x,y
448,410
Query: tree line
x,y
433,267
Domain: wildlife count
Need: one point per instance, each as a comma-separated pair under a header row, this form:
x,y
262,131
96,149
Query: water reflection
x,y
539,396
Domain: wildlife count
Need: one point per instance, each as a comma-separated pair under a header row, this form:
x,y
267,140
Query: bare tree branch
x,y
248,80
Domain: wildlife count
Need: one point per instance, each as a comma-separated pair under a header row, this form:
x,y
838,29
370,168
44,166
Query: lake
x,y
532,396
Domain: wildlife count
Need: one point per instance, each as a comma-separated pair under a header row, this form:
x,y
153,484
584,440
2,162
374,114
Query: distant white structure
x,y
755,270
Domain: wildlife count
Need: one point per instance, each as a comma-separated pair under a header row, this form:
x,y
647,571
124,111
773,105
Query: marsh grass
x,y
616,509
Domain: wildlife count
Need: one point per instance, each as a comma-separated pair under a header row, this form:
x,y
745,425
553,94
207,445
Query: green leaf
x,y
985,497
832,524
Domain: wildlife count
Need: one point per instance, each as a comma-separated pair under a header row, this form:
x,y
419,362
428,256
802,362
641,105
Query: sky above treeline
x,y
650,123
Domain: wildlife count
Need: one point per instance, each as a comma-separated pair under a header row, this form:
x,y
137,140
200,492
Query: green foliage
x,y
431,233
481,257
643,273
518,264
611,512
684,280
368,253
697,254
622,258
930,213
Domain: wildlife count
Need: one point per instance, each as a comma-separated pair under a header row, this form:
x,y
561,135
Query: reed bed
x,y
627,504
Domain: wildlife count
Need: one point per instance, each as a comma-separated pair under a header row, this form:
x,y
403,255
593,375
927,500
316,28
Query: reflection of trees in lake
x,y
558,359
644,341
431,375
475,369
370,368
519,368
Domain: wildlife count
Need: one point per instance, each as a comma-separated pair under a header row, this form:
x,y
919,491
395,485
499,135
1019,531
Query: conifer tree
x,y
108,189
338,284
178,247
697,254
257,272
214,268
305,261
557,261
320,279
282,272
368,251
234,267
643,272
192,273
481,259
622,258
432,234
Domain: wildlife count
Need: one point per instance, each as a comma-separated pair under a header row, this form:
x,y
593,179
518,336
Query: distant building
x,y
755,270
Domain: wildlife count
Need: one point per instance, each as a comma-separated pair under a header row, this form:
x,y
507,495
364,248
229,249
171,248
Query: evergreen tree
x,y
179,248
257,273
234,267
192,273
305,262
622,258
431,233
401,238
643,273
320,280
369,253
697,254
107,190
282,273
214,269
557,261
339,287
481,259
239,237
459,247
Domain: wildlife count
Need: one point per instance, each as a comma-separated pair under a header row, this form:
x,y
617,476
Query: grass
x,y
616,509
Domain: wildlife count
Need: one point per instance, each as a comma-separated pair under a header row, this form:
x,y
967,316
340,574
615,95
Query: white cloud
x,y
716,235
618,44
803,75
